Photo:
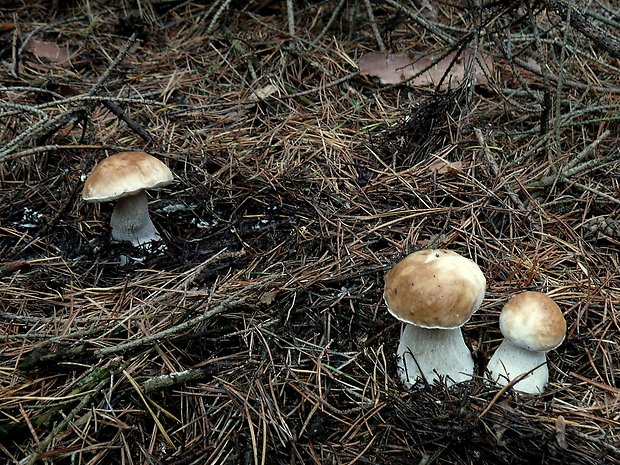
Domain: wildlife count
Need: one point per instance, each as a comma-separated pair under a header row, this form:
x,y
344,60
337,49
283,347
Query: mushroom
x,y
434,292
532,324
124,177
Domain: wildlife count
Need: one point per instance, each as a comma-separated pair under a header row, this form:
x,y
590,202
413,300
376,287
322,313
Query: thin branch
x,y
573,168
290,11
597,192
157,383
374,27
173,330
36,455
119,57
332,18
421,21
38,129
48,148
603,40
217,15
133,125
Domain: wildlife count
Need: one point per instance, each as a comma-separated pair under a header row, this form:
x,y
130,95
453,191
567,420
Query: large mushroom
x,y
532,324
434,292
124,177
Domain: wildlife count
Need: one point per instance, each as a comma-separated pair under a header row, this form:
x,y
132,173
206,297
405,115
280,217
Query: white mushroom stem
x,y
131,221
510,361
438,353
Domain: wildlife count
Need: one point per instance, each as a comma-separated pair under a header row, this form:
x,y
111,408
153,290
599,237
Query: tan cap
x,y
124,174
533,321
434,289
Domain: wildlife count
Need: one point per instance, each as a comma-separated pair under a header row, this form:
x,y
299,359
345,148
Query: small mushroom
x,y
532,324
434,292
124,177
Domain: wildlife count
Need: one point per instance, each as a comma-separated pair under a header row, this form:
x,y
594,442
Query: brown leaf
x,y
7,27
268,297
8,268
560,432
396,68
441,166
49,52
390,69
264,92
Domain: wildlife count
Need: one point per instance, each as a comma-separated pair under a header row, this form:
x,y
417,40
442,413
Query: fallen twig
x,y
36,455
374,27
578,20
573,168
173,330
157,383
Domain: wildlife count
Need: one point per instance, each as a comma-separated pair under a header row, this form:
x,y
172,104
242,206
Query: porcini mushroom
x,y
124,177
532,324
434,292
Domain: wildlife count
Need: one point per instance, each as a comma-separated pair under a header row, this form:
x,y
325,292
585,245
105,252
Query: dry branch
x,y
603,40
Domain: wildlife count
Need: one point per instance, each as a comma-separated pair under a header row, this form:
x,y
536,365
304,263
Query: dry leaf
x,y
49,52
560,432
396,68
268,297
7,27
264,92
390,69
441,166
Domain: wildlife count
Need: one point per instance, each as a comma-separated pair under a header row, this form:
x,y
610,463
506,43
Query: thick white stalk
x,y
510,361
131,221
438,353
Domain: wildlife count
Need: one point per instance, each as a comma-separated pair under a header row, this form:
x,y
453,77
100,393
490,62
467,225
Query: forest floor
x,y
256,332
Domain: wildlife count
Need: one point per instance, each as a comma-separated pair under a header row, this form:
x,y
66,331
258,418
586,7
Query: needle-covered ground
x,y
255,332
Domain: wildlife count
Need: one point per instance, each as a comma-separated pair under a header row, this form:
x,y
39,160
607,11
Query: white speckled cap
x,y
533,321
434,289
124,174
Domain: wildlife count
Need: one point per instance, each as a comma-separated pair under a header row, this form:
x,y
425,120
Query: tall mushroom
x,y
434,292
124,177
532,324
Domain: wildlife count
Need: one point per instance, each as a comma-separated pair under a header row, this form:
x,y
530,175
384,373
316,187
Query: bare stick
x,y
573,168
588,150
217,15
373,25
290,11
135,127
567,82
420,20
597,192
65,421
48,148
119,57
333,17
174,330
62,119
38,129
157,383
115,109
578,21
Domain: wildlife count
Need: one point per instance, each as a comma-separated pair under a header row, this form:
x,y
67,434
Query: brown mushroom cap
x,y
125,174
434,289
533,321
